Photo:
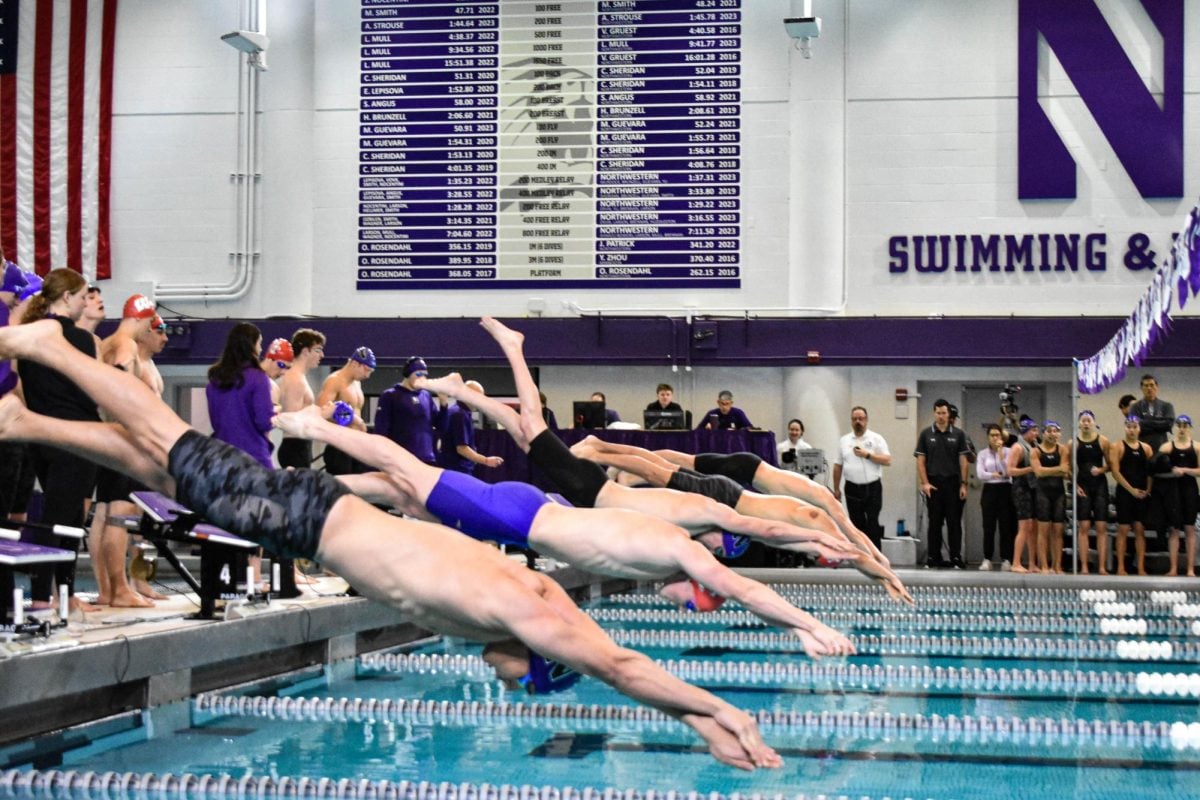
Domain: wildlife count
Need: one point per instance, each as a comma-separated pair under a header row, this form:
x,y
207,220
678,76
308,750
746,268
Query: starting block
x,y
16,555
224,557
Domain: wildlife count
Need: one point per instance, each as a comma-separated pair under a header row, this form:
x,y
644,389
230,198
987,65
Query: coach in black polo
x,y
942,471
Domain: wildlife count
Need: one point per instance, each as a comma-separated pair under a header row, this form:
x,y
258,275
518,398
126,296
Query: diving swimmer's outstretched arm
x,y
570,636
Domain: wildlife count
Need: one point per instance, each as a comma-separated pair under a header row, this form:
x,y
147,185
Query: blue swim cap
x,y
343,413
1183,419
14,279
364,356
733,545
22,283
33,285
546,676
415,364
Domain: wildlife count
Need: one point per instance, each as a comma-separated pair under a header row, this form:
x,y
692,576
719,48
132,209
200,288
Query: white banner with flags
x,y
1178,278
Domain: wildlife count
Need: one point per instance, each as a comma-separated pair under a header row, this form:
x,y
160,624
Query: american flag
x,y
56,65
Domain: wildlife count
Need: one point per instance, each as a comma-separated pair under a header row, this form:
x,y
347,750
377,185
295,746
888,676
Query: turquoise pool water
x,y
991,694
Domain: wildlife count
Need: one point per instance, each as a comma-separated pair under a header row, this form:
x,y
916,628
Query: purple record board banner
x,y
557,145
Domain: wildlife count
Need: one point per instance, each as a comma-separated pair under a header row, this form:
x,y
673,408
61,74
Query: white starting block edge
x,y
14,534
203,531
901,551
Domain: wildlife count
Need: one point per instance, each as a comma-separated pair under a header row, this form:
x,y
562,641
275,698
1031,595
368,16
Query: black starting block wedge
x,y
18,556
224,557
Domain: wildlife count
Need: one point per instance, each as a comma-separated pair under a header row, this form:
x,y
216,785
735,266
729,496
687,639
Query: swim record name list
x,y
569,145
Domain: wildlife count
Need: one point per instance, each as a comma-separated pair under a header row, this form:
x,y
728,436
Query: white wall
x,y
901,123
932,129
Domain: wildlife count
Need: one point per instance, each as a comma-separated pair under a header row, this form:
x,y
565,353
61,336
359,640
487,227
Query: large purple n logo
x,y
1146,139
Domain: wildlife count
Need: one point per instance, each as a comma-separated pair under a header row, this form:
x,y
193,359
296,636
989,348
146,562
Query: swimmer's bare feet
x,y
585,451
11,412
447,384
1016,567
505,336
145,590
18,341
127,598
76,604
588,444
300,423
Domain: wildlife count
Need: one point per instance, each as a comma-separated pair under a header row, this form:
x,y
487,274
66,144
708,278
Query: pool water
x,y
974,694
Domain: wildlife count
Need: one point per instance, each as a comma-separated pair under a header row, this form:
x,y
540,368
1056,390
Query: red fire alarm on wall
x,y
901,395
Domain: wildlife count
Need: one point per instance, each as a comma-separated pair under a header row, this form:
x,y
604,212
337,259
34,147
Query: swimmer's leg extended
x,y
153,425
105,443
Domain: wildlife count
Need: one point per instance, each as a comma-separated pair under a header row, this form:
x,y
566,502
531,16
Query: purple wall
x,y
1007,341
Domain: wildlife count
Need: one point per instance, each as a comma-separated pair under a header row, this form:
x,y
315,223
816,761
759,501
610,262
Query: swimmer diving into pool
x,y
607,541
783,522
438,578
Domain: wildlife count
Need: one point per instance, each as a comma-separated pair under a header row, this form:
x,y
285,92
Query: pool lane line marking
x,y
578,746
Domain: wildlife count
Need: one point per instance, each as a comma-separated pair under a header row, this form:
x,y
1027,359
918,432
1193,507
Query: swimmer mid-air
x,y
782,522
607,541
435,576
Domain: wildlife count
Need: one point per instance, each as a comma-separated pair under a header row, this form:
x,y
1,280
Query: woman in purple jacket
x,y
239,395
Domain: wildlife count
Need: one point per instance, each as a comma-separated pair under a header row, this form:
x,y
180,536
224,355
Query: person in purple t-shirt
x,y
726,416
239,395
406,413
456,436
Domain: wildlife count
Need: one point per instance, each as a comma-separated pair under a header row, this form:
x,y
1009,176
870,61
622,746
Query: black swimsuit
x,y
738,467
717,487
282,510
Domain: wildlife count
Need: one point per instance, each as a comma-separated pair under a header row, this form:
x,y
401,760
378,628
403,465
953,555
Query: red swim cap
x,y
138,307
703,600
280,350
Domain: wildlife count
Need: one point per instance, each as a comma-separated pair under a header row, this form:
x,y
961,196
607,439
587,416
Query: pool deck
x,y
118,661
115,661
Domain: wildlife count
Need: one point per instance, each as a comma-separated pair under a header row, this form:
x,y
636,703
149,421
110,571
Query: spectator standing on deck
x,y
406,413
995,502
941,454
862,455
66,479
239,395
785,450
1155,415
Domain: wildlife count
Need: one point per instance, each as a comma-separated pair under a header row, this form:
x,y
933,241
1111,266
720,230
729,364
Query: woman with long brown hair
x,y
66,479
239,395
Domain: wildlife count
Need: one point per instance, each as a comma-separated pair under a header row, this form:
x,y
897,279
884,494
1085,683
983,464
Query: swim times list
x,y
559,145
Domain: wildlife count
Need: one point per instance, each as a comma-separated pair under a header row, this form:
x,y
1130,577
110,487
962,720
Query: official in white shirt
x,y
862,455
786,450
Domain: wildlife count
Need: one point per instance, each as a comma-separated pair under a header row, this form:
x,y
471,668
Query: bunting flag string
x,y
1150,323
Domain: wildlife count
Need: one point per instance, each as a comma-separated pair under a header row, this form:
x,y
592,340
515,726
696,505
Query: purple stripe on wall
x,y
975,341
